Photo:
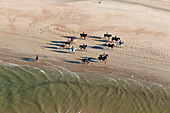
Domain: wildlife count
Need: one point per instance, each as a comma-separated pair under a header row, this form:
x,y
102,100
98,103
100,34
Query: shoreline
x,y
86,69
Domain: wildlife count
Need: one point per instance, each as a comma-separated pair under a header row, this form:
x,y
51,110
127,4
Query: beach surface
x,y
37,27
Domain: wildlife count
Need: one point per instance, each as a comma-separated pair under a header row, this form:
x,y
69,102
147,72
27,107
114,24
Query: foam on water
x,y
69,71
45,90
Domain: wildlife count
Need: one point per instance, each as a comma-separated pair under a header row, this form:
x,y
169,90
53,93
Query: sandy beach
x,y
37,27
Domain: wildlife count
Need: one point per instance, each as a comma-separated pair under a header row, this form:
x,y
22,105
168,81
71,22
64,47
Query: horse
x,y
115,38
120,44
68,43
72,40
83,35
84,60
72,50
111,45
62,46
103,58
83,47
107,35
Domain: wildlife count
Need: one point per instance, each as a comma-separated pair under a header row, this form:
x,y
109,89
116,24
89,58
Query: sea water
x,y
25,89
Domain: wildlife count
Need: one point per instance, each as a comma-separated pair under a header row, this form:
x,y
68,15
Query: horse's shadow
x,y
96,47
95,37
57,42
73,62
28,59
102,40
53,44
92,59
104,45
59,51
50,47
69,37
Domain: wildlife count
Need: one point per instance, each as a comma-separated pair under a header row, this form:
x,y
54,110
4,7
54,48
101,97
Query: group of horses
x,y
101,58
115,41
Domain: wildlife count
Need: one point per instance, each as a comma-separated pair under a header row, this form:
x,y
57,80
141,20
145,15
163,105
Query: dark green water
x,y
57,90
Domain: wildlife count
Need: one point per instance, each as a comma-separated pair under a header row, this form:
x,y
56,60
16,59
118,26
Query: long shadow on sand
x,y
102,40
104,45
53,44
28,59
92,59
69,37
96,47
95,37
57,41
59,51
51,47
73,62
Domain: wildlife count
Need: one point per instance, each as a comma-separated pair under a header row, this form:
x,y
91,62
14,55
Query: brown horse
x,y
68,43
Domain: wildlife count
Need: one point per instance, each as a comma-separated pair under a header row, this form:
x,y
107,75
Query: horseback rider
x,y
72,48
120,42
83,34
37,57
72,39
83,45
86,59
107,33
104,54
115,36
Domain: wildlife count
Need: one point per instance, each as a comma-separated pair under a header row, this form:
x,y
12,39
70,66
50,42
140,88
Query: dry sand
x,y
34,27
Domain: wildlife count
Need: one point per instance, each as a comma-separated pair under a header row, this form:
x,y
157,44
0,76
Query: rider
x,y
120,42
86,59
72,48
107,33
72,39
83,45
83,33
37,57
115,36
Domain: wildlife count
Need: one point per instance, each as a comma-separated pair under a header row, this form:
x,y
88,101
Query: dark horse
x,y
83,47
108,35
84,60
111,45
103,58
83,35
115,38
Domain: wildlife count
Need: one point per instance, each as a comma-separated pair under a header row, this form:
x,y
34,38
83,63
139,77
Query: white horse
x,y
72,50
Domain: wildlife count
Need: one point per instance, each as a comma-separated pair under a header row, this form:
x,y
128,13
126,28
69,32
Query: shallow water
x,y
57,90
